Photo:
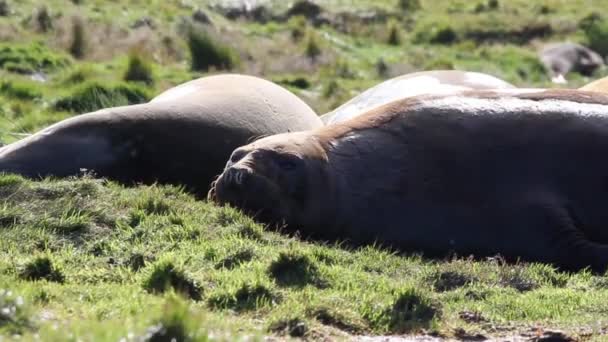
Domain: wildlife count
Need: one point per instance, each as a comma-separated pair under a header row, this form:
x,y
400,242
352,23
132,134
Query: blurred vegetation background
x,y
60,57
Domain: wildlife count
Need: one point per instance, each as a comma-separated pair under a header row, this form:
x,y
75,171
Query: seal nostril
x,y
236,177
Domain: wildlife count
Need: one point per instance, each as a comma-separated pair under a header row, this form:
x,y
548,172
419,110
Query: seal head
x,y
278,180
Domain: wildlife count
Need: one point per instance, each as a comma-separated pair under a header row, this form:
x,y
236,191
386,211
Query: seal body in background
x,y
183,136
561,58
418,83
520,173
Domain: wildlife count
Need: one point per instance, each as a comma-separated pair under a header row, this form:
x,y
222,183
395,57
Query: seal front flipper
x,y
570,247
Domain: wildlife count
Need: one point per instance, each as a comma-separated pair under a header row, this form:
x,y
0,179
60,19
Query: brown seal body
x,y
600,86
417,83
182,136
520,173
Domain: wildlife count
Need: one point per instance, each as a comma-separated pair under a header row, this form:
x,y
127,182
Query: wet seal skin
x,y
521,173
408,85
183,136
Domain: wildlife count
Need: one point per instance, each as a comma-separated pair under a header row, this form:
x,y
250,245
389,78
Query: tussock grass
x,y
42,268
293,269
20,90
139,70
165,275
208,53
79,43
94,95
29,58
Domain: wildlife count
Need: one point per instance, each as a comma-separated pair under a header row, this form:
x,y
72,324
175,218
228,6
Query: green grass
x,y
20,58
95,261
93,96
90,260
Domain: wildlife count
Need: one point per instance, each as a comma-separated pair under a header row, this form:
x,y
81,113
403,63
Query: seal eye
x,y
237,155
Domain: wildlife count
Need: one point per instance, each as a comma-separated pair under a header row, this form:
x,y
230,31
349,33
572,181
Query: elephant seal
x,y
600,85
521,173
183,136
423,82
562,58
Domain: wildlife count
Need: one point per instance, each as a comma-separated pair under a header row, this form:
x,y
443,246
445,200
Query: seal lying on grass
x,y
417,83
521,173
182,136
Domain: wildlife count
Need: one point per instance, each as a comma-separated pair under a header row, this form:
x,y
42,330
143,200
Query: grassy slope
x,y
110,249
90,259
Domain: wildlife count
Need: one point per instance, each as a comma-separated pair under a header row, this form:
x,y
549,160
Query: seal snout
x,y
236,176
235,183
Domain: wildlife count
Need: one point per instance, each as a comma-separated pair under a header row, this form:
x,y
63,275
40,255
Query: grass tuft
x,y
30,58
136,217
394,34
294,327
10,180
409,5
297,25
449,280
136,262
154,205
93,96
411,311
5,9
295,269
139,70
332,317
43,19
312,49
595,28
78,76
248,296
71,220
42,268
78,45
165,275
517,278
236,259
207,53
10,216
20,90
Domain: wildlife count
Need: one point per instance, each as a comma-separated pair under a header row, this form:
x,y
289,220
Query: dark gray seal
x,y
561,58
521,173
183,136
417,83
